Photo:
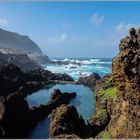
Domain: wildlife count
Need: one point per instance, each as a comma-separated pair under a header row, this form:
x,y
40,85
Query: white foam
x,y
94,60
69,66
84,62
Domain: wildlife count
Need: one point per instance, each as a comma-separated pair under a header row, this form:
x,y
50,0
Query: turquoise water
x,y
86,67
83,102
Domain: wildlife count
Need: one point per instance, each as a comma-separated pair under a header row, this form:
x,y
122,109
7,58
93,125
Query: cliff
x,y
117,96
126,78
19,42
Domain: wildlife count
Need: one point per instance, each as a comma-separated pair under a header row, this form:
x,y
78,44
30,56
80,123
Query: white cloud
x,y
3,21
96,19
120,31
123,28
59,38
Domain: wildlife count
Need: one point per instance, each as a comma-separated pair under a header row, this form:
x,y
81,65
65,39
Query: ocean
x,y
87,66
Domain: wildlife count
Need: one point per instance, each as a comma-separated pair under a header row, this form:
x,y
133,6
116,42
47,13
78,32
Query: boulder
x,y
89,80
65,120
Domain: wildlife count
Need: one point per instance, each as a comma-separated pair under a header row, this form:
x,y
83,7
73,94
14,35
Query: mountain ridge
x,y
9,39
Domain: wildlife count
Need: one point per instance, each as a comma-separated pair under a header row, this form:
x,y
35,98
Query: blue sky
x,y
72,29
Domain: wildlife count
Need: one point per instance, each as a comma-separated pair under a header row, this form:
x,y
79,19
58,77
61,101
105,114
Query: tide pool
x,y
84,103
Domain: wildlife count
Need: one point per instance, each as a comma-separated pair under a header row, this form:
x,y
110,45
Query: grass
x,y
102,113
105,135
108,93
111,92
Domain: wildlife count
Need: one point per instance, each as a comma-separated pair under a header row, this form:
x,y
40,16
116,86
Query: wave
x,y
83,62
71,66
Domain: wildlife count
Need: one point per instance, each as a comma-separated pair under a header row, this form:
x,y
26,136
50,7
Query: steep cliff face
x,y
125,118
126,65
16,41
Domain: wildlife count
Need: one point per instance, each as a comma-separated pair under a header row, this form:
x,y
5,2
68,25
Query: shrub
x,y
108,93
105,135
102,113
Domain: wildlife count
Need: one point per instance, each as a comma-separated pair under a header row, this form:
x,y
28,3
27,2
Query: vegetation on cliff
x,y
121,95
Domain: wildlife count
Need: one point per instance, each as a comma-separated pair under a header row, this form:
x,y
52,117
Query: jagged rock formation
x,y
89,80
126,66
20,42
65,120
126,77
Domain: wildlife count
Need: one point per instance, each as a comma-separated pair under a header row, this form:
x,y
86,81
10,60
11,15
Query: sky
x,y
72,29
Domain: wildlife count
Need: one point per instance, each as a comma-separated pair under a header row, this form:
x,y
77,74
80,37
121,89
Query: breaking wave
x,y
83,62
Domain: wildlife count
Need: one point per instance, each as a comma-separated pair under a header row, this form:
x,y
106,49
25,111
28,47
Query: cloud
x,y
96,19
59,38
3,21
120,31
123,27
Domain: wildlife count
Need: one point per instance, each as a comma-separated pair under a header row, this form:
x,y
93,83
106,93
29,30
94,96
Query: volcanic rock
x,y
126,77
65,120
89,80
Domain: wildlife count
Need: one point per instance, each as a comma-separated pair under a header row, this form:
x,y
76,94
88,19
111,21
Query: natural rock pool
x,y
83,102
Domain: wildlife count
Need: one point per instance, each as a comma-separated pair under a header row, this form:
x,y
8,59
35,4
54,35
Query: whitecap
x,y
94,60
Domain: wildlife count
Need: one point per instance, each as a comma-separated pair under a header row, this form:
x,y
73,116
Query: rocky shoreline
x,y
16,117
116,99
